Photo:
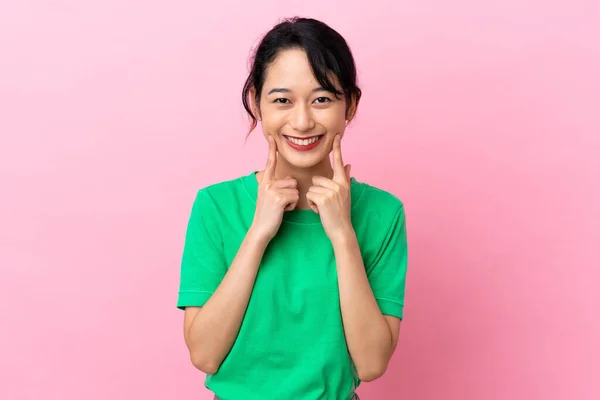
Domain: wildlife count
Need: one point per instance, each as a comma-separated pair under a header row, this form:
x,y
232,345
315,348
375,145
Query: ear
x,y
351,108
255,107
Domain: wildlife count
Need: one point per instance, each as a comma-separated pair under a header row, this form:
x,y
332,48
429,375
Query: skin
x,y
292,103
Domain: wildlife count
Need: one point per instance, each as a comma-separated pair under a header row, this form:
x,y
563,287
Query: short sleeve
x,y
203,264
387,274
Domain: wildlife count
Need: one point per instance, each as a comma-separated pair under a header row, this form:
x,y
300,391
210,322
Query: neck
x,y
302,175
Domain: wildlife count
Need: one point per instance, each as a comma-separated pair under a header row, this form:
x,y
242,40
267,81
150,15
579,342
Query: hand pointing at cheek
x,y
330,198
274,197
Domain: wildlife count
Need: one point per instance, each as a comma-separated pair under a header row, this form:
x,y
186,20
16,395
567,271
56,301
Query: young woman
x,y
293,277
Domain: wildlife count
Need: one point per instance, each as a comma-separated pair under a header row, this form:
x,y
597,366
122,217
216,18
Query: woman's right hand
x,y
274,197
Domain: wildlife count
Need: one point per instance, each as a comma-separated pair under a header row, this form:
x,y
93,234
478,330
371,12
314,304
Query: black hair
x,y
327,53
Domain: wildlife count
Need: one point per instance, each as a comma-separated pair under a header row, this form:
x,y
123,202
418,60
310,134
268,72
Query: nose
x,y
302,119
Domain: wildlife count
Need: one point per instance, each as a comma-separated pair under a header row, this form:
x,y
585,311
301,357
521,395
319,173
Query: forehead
x,y
290,69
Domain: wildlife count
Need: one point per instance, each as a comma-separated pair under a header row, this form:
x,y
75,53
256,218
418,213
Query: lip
x,y
302,138
302,147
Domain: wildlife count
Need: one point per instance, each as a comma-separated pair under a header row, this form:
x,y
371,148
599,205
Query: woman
x,y
293,277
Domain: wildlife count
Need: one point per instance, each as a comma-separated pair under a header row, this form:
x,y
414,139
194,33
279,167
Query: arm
x,y
371,336
210,331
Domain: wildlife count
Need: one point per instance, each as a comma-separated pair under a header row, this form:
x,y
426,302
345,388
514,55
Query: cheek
x,y
334,122
272,120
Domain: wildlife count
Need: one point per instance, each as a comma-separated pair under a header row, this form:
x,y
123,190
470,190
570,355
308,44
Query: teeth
x,y
303,142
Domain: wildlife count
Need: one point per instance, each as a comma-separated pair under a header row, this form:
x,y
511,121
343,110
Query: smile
x,y
303,144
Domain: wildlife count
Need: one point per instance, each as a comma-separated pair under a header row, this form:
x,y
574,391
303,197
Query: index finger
x,y
271,160
338,163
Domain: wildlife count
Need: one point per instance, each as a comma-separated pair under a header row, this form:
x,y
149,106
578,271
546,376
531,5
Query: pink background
x,y
483,118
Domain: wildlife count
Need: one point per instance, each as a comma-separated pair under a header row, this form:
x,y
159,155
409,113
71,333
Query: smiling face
x,y
302,117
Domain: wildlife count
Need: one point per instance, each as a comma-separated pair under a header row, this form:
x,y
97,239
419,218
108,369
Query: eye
x,y
322,100
281,100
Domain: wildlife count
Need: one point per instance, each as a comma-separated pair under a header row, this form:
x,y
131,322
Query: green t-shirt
x,y
291,343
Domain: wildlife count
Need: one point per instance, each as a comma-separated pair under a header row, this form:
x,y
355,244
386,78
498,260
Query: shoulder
x,y
221,191
378,219
222,200
377,202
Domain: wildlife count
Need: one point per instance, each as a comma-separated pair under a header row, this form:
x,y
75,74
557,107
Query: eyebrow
x,y
286,90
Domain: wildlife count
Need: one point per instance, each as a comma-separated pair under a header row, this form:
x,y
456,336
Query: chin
x,y
304,161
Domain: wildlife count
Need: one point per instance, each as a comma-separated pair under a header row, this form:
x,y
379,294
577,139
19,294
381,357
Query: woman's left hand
x,y
330,198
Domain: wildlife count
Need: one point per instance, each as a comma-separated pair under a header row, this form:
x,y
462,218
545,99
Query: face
x,y
302,117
